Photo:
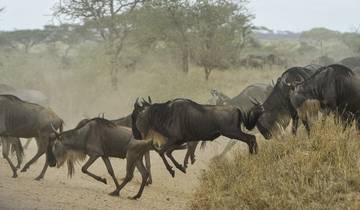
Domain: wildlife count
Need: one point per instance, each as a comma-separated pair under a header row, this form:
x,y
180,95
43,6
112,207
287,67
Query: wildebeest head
x,y
277,107
253,114
57,153
140,123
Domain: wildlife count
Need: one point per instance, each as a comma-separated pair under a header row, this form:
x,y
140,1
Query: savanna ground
x,y
74,97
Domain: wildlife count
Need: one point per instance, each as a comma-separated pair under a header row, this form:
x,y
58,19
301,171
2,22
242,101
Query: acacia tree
x,y
23,39
110,20
221,31
352,41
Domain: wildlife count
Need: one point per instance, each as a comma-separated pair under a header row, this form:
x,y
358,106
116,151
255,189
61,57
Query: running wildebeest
x,y
190,146
178,121
277,108
96,138
244,101
333,88
27,120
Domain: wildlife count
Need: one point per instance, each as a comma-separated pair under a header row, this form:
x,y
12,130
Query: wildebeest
x,y
244,101
277,108
178,121
27,120
96,138
29,95
189,146
333,88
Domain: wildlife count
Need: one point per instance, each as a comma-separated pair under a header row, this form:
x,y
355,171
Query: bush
x,y
288,173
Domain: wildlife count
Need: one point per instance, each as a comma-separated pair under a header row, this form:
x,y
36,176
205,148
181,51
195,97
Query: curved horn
x,y
137,104
103,115
53,128
150,101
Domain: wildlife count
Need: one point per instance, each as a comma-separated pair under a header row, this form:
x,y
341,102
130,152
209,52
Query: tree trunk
x,y
114,72
185,58
207,73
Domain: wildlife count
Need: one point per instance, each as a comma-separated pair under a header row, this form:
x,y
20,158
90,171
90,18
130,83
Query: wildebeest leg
x,y
166,163
148,166
250,140
131,159
144,175
41,150
169,154
227,148
5,153
110,170
85,167
43,171
190,153
19,152
295,124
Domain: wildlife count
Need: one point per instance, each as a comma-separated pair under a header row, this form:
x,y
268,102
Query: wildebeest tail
x,y
17,147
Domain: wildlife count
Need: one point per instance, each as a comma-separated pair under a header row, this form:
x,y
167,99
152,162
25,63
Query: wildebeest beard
x,y
141,127
276,116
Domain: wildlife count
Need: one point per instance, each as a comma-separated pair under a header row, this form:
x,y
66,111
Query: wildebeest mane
x,y
336,69
98,120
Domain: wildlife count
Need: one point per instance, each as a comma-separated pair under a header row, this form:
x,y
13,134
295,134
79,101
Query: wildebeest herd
x,y
300,93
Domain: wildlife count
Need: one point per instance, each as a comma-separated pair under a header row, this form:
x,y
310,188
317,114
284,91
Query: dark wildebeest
x,y
190,146
178,121
333,89
96,138
29,95
244,101
27,120
277,107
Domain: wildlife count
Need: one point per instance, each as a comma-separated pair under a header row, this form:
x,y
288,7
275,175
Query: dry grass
x,y
289,173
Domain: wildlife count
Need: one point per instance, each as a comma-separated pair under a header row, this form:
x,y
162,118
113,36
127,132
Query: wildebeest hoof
x,y
38,178
23,170
134,197
172,172
149,182
115,193
192,161
182,169
103,180
14,175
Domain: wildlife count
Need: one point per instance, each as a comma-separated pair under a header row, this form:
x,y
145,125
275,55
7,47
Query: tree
x,y
318,36
109,18
69,35
220,32
352,41
23,39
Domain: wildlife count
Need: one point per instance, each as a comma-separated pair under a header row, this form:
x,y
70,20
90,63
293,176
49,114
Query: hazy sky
x,y
295,15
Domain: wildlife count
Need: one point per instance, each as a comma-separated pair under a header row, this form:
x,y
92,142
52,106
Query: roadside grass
x,y
288,173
